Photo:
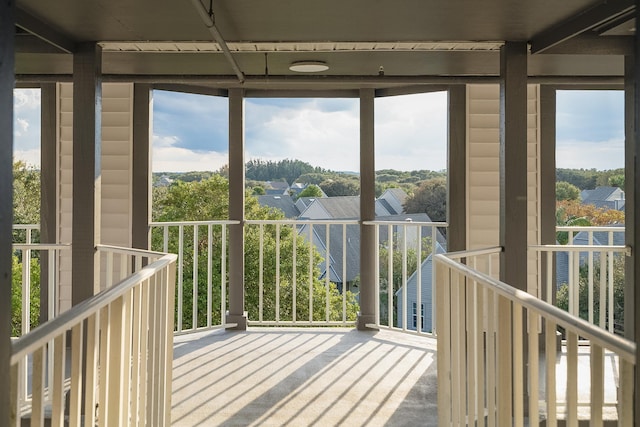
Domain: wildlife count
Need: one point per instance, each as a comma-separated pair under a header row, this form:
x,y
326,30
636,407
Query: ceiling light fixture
x,y
308,66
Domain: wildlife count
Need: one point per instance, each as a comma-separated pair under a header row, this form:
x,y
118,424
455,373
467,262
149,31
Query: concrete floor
x,y
304,377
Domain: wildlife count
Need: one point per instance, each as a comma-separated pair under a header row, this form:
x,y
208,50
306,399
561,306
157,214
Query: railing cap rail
x,y
25,226
76,314
129,251
579,248
623,347
302,221
41,246
588,228
408,221
188,223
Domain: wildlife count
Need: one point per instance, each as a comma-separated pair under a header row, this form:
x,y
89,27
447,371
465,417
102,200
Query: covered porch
x,y
501,67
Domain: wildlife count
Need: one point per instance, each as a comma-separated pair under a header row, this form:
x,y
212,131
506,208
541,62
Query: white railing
x,y
30,256
119,369
201,247
295,263
405,250
594,268
489,347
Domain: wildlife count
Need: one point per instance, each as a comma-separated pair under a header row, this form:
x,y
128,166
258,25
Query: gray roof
x,y
342,207
336,249
600,194
282,202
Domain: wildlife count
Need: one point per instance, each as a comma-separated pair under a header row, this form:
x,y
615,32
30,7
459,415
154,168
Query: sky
x,y
190,131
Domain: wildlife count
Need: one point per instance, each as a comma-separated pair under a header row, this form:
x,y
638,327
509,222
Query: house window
x,y
414,315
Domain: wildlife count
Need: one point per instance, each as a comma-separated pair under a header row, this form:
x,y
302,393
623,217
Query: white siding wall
x,y
117,146
483,170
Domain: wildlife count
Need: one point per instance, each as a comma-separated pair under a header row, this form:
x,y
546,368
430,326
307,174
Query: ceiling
x,y
378,43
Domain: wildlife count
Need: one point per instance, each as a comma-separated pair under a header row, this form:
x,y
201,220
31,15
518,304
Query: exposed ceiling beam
x,y
591,44
43,31
605,12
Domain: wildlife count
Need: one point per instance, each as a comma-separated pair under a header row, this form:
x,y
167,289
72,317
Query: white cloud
x,y
26,99
166,157
30,157
586,154
410,132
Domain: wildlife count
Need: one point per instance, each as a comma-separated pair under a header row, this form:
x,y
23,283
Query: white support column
x,y
7,30
87,120
367,210
236,313
513,164
141,173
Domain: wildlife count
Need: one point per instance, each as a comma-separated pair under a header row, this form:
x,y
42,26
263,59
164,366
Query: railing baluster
x,y
491,358
471,349
533,363
57,389
376,267
420,312
597,384
390,287
444,346
261,275
550,369
590,278
38,386
344,273
91,373
327,274
310,272
518,366
75,389
294,272
180,272
223,277
194,296
209,273
277,284
572,379
405,291
457,364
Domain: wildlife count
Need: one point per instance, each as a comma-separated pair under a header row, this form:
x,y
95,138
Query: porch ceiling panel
x,y
355,38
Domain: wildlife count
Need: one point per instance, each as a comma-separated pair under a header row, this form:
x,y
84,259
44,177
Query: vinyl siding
x,y
483,166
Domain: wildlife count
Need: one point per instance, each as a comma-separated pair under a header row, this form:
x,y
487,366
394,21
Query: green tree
x,y
207,200
311,191
567,191
341,187
16,295
430,198
583,300
617,180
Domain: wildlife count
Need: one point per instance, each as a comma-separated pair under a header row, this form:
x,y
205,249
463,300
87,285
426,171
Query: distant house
x,y
347,238
276,188
604,197
582,238
164,181
284,203
426,291
393,199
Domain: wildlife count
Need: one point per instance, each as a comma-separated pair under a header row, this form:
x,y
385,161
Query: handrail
x,y
580,248
25,226
408,221
625,348
475,252
303,221
178,223
128,251
41,246
48,331
596,228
